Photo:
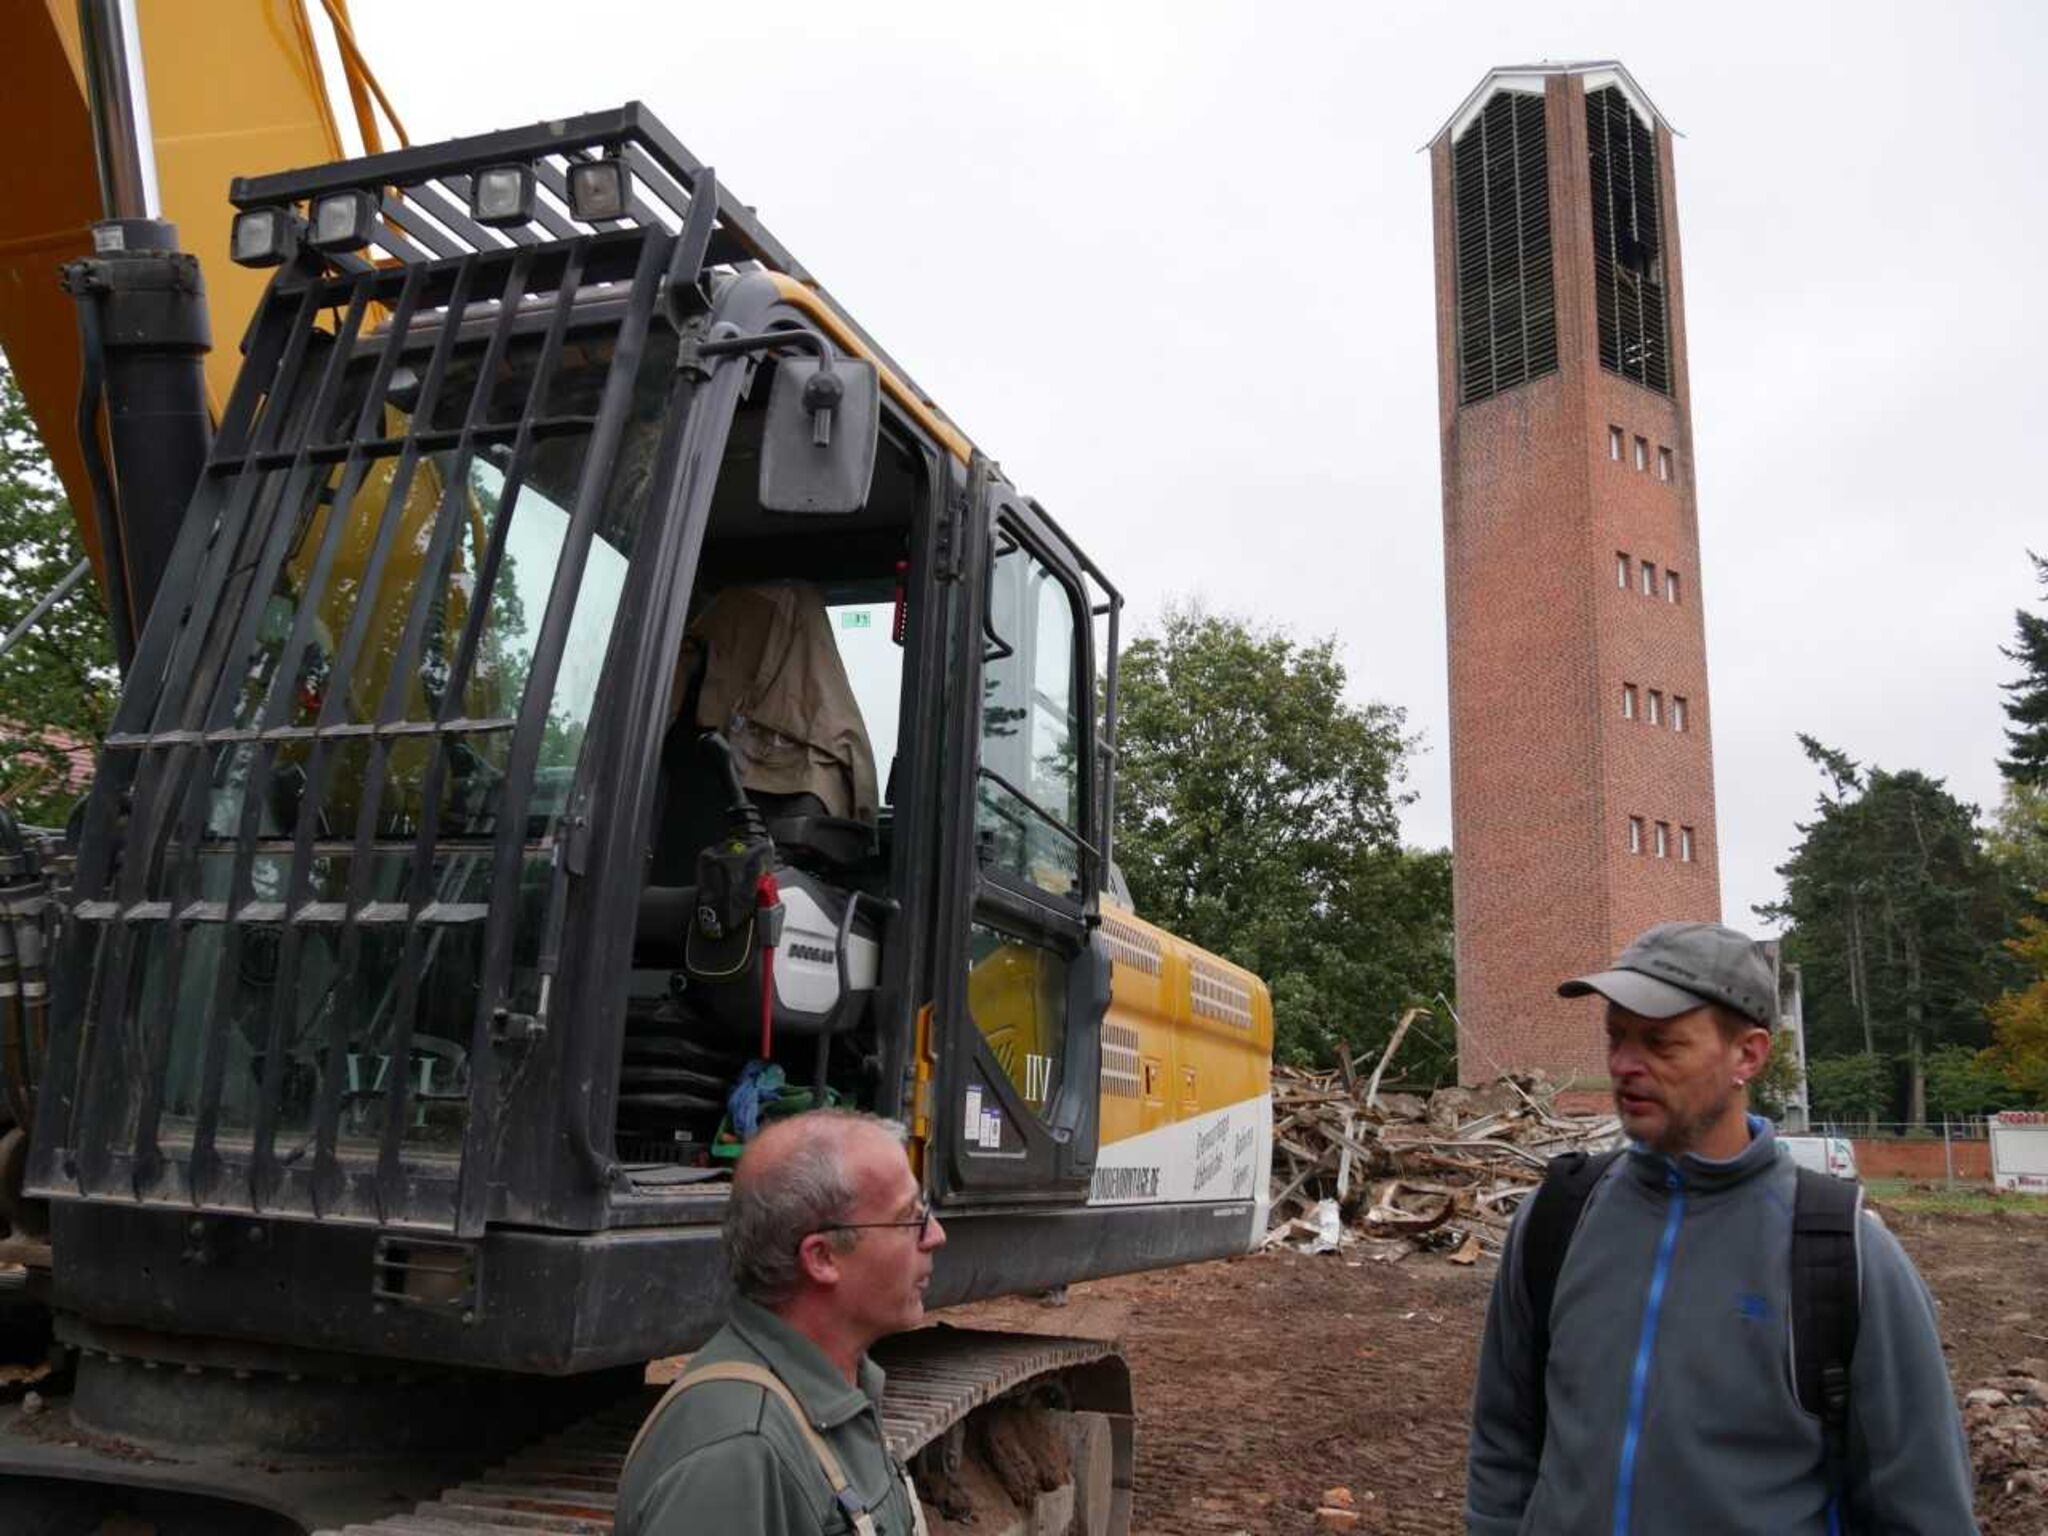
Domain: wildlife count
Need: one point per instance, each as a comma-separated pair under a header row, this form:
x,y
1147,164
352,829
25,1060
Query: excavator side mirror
x,y
818,445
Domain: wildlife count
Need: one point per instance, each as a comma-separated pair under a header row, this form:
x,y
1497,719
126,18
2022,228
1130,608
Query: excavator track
x,y
565,1484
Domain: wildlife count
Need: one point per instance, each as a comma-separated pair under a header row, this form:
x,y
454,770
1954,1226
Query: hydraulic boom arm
x,y
232,86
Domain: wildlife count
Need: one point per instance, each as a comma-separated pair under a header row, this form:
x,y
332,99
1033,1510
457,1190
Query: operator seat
x,y
759,666
767,738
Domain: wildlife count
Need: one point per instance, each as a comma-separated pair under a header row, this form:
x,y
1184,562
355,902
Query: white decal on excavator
x,y
1222,1156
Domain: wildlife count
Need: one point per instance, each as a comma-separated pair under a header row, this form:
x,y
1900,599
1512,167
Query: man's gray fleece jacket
x,y
1671,1403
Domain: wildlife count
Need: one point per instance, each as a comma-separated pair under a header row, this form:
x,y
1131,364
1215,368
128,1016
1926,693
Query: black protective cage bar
x,y
423,194
176,742
294,436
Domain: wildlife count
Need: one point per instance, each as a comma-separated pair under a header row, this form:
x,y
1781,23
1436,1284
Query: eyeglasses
x,y
921,1220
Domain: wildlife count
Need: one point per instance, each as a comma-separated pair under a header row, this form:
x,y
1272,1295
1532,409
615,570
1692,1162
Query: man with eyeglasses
x,y
776,1427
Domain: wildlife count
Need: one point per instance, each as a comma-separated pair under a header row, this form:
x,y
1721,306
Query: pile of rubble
x,y
2007,1419
1390,1174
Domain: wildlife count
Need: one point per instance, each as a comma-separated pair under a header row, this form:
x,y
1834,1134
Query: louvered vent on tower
x,y
1628,257
1507,307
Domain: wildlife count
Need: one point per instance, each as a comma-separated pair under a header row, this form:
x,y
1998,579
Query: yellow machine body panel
x,y
235,89
1187,1072
1187,1058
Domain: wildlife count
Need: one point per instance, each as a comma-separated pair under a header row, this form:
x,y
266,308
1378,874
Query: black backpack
x,y
1824,1283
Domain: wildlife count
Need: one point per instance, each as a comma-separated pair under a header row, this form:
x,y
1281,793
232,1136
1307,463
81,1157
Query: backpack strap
x,y
1546,1233
1826,1305
760,1376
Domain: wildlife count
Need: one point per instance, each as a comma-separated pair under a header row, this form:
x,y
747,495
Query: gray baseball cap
x,y
1674,968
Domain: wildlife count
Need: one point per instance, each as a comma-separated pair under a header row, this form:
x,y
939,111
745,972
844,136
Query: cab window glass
x,y
1028,809
1016,992
865,635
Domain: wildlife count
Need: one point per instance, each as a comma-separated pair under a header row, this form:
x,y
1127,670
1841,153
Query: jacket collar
x,y
1700,1174
827,1399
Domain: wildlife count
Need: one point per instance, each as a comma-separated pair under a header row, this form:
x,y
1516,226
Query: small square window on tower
x,y
1656,707
1622,567
1663,839
1635,834
1628,701
1642,453
1614,435
1649,579
1685,845
1678,711
1670,586
1663,463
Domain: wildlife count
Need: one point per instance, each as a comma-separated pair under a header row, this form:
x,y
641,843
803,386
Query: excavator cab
x,y
596,700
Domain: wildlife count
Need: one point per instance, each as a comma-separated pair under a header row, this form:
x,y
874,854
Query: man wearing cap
x,y
1662,1396
775,1427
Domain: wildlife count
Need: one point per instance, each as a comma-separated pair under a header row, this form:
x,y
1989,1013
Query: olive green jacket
x,y
724,1457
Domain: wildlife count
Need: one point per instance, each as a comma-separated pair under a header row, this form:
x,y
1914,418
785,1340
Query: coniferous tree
x,y
2028,706
1896,916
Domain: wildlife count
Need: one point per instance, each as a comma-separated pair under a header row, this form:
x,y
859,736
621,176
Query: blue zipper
x,y
1646,1343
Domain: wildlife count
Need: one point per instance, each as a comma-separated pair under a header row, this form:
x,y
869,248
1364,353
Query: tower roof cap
x,y
1532,77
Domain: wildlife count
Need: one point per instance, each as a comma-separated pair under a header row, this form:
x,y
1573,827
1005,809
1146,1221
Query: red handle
x,y
767,894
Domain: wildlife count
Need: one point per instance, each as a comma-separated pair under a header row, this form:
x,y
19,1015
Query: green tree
x,y
1775,1089
1897,916
1258,817
2017,839
2028,706
1962,1083
58,684
1849,1090
2019,1019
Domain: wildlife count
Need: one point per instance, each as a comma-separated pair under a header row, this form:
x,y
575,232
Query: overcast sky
x,y
1170,263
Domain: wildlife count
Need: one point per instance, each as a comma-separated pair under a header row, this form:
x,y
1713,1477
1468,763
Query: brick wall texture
x,y
1885,1158
1545,770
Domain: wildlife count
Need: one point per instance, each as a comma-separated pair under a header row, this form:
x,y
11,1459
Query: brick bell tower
x,y
1582,789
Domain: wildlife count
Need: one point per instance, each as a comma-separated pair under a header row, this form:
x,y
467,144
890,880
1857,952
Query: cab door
x,y
1024,980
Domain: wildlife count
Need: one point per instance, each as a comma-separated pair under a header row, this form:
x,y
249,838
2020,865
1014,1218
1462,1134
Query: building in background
x,y
1790,1034
1582,791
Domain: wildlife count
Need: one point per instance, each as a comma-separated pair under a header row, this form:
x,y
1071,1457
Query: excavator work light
x,y
600,190
502,195
343,221
264,237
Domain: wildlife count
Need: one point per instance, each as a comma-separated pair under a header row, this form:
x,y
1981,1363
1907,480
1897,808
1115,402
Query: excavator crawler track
x,y
566,1483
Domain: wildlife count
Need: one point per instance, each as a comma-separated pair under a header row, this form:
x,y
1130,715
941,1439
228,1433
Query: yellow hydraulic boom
x,y
233,86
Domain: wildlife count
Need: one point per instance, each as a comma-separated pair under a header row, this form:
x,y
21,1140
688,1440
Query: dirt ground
x,y
1266,1379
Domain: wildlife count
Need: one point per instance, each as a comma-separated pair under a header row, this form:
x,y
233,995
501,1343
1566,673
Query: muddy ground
x,y
1264,1380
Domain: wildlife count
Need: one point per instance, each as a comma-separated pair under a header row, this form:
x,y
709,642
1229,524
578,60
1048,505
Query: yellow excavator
x,y
580,699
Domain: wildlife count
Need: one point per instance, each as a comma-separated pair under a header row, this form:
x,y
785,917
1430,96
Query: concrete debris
x,y
2007,1421
1408,1173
